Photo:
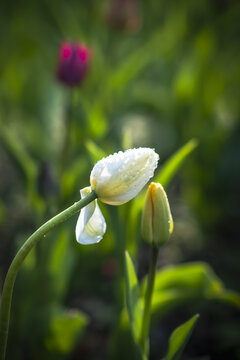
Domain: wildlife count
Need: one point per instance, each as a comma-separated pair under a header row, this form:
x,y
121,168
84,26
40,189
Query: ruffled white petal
x,y
119,177
91,225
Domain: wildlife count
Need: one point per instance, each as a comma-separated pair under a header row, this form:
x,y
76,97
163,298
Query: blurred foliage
x,y
188,282
174,287
174,79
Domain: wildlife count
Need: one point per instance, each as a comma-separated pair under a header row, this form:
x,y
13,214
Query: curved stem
x,y
19,258
147,302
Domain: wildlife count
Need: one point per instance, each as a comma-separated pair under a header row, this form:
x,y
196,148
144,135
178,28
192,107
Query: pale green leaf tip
x,y
191,325
193,143
196,316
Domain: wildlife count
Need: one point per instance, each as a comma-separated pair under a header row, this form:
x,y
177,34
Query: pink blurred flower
x,y
124,14
73,63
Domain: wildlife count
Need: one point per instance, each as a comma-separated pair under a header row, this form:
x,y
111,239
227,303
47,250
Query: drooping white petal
x,y
91,225
119,177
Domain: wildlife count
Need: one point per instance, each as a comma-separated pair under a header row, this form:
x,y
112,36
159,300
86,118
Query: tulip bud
x,y
73,64
157,223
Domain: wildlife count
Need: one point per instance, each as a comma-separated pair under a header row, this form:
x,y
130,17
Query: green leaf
x,y
17,150
174,163
97,120
72,173
19,153
178,285
196,275
96,153
179,338
65,329
230,297
60,263
133,299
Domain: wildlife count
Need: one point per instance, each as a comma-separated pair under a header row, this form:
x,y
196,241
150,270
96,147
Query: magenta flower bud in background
x,y
124,15
73,63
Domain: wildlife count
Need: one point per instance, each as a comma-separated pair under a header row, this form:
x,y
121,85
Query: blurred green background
x,y
161,74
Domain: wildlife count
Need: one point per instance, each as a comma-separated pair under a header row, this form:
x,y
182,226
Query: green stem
x,y
19,258
147,303
66,148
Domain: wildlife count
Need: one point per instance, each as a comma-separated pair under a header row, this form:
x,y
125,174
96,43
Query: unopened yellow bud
x,y
157,223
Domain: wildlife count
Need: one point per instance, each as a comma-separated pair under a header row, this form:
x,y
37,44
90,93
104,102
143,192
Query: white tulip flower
x,y
119,177
116,179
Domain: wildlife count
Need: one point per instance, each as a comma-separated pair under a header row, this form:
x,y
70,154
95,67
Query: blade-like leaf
x,y
195,275
177,285
230,297
95,152
97,120
179,338
60,263
17,150
173,164
133,299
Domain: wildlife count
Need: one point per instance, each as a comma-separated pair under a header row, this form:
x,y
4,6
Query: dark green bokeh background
x,y
175,78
